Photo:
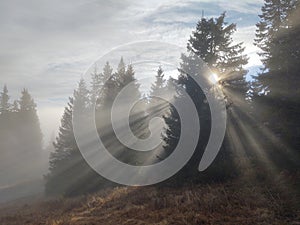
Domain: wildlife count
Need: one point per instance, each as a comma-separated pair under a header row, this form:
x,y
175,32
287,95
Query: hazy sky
x,y
46,46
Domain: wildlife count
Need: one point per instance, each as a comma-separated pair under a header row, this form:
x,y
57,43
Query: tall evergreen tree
x,y
69,174
4,101
81,97
98,81
158,107
158,87
275,15
56,182
212,42
276,95
96,85
6,136
30,134
29,119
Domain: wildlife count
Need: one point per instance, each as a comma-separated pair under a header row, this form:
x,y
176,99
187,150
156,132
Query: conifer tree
x,y
69,174
4,101
96,85
98,82
212,42
158,107
276,94
5,135
30,134
158,87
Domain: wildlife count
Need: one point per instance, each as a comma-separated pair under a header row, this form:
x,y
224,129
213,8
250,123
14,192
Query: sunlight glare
x,y
214,78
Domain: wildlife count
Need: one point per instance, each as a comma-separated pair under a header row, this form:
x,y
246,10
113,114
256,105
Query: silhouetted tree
x,y
4,101
69,174
159,84
212,42
276,89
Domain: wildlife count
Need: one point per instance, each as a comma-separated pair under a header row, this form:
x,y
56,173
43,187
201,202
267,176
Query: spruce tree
x,y
116,83
29,119
4,101
96,85
98,81
6,135
69,174
157,107
212,42
276,95
56,182
158,86
30,134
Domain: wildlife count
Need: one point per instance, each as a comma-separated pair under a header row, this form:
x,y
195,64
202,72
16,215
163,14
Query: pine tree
x,y
6,135
29,119
276,95
107,71
124,76
158,87
274,16
15,106
121,71
111,87
276,36
26,102
56,182
98,83
157,107
212,42
81,97
4,101
29,133
69,174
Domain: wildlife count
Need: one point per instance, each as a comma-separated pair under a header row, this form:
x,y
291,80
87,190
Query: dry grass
x,y
231,203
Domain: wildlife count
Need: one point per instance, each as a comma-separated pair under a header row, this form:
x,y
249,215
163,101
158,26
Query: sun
x,y
214,78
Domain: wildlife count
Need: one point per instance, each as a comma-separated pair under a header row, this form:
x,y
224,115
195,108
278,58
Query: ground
x,y
230,203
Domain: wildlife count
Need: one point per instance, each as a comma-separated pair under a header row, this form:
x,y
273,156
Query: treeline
x,y
21,155
67,162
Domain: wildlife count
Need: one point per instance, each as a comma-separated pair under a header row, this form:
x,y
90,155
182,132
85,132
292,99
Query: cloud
x,y
46,46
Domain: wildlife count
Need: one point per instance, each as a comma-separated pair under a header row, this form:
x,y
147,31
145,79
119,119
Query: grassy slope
x,y
230,203
22,190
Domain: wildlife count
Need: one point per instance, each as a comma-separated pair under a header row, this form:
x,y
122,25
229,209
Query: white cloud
x,y
247,35
47,45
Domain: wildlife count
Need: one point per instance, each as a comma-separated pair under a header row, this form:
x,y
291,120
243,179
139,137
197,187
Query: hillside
x,y
21,190
230,203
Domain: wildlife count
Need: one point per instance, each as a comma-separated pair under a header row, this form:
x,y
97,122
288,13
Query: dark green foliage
x,y
276,93
212,42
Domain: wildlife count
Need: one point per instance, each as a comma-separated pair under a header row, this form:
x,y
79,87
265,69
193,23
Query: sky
x,y
46,46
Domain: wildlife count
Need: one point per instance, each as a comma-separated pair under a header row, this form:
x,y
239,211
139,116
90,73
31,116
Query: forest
x,y
257,167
